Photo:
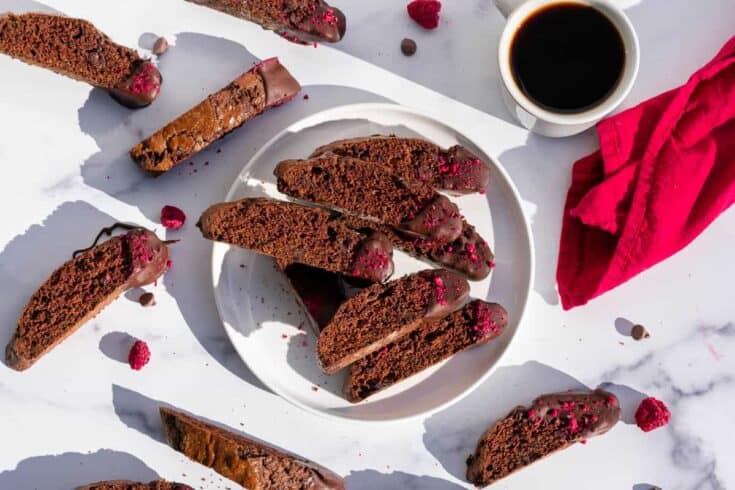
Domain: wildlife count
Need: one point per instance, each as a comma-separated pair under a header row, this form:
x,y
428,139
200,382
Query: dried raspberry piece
x,y
425,13
172,217
652,414
139,355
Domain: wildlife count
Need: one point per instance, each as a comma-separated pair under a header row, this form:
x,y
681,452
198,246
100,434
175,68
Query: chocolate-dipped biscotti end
x,y
553,422
296,234
268,84
250,463
78,290
383,313
131,485
366,189
299,21
77,49
456,170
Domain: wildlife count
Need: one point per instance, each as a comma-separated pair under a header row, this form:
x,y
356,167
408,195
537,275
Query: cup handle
x,y
507,7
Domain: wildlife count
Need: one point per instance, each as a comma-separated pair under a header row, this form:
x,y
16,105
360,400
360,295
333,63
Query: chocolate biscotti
x,y
266,85
131,485
252,464
456,170
296,234
383,313
370,190
77,49
552,423
478,322
468,254
300,21
78,290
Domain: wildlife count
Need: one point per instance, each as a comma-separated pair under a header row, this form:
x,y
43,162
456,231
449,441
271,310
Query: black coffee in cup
x,y
567,57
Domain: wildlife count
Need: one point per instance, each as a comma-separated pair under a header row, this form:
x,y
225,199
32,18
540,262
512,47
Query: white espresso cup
x,y
543,120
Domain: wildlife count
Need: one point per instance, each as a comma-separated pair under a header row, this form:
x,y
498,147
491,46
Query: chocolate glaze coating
x,y
471,174
280,85
140,88
451,290
150,257
314,30
374,258
440,220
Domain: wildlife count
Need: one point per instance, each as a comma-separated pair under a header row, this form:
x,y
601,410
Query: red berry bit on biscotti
x,y
425,13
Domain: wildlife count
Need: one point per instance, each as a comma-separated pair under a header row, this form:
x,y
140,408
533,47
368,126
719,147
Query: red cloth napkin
x,y
665,170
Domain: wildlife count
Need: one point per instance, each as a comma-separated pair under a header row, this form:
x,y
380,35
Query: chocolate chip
x,y
639,332
408,47
96,59
160,46
147,299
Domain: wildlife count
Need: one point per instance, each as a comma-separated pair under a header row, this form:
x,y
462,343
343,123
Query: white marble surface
x,y
82,415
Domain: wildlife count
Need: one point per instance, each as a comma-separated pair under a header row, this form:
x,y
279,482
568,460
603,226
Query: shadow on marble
x,y
543,183
116,345
70,470
23,6
645,486
623,326
141,413
397,480
459,59
28,259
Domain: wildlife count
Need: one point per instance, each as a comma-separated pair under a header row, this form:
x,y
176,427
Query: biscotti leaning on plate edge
x,y
551,423
268,84
250,463
78,290
77,49
455,170
131,485
299,21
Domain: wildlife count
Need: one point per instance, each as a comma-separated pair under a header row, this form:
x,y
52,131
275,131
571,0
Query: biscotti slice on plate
x,y
252,464
266,85
370,190
300,21
437,339
527,434
468,254
131,485
456,170
320,292
296,234
383,313
77,49
78,290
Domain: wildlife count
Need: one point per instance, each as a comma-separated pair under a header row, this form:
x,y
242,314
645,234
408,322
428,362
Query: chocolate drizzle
x,y
105,231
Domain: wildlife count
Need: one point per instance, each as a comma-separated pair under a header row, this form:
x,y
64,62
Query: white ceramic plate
x,y
272,334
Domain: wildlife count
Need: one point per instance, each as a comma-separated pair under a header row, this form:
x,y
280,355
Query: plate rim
x,y
325,115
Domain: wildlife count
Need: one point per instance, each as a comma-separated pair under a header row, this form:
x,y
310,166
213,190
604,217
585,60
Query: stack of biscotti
x,y
357,199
